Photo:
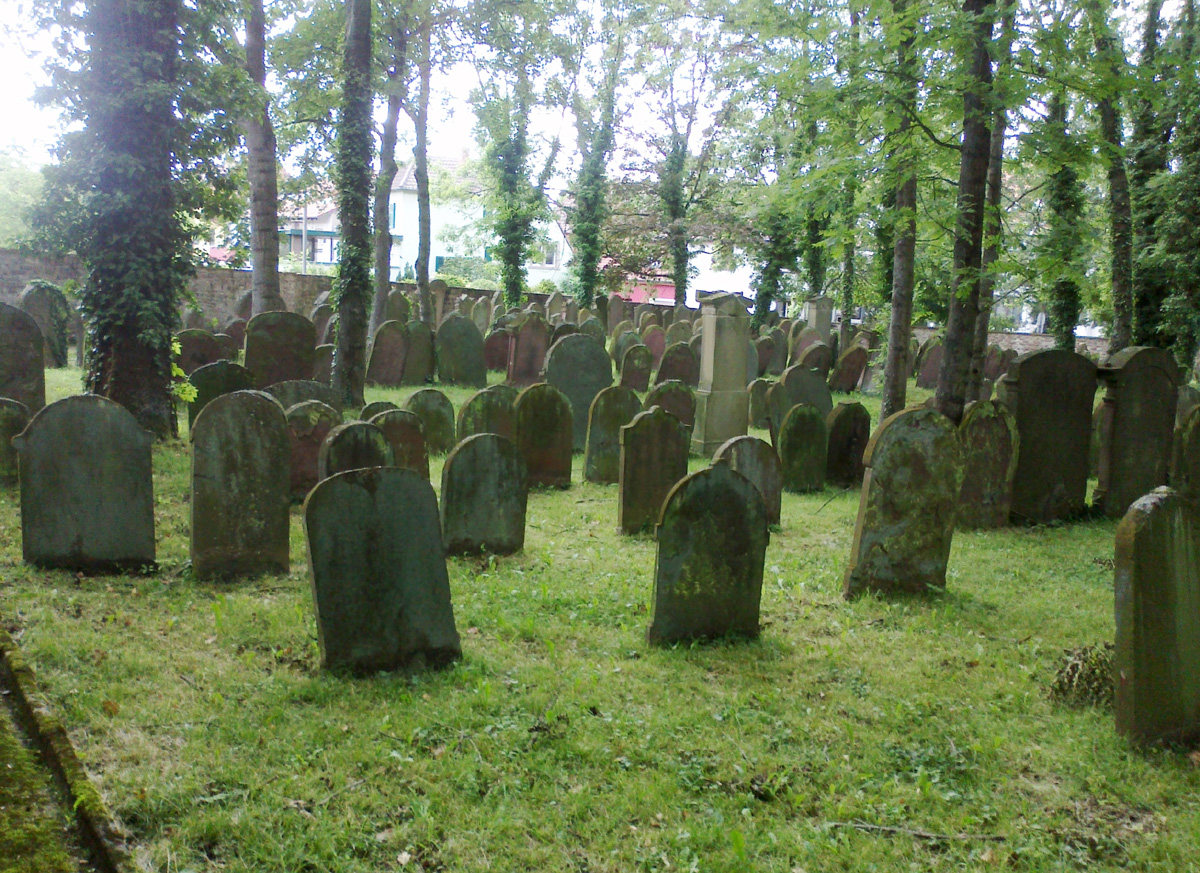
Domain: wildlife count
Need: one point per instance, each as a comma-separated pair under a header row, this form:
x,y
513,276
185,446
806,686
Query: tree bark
x,y
421,171
847,295
382,213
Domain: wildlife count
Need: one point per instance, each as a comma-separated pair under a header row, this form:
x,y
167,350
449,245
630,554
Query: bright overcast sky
x,y
26,127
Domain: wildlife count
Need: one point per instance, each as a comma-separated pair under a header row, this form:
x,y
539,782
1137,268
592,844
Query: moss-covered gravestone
x,y
298,390
419,354
484,492
279,347
849,370
818,356
579,367
527,354
399,307
308,425
1185,465
677,399
803,449
46,304
990,447
196,349
355,445
374,408
14,417
496,348
437,415
807,386
544,423
802,338
679,364
323,364
241,487
758,403
635,367
1157,669
235,329
622,343
459,347
929,363
87,496
712,541
405,433
679,332
612,409
213,380
593,328
378,568
486,411
22,371
758,462
320,317
908,504
389,353
654,456
849,428
779,355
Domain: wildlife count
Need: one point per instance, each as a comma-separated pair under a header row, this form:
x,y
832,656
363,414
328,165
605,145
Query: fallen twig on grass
x,y
909,832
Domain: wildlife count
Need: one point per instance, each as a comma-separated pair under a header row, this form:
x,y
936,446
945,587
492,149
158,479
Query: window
x,y
437,263
393,216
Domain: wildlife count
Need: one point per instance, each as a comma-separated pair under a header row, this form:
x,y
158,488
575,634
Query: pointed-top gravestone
x,y
437,415
679,364
308,425
849,427
22,368
389,353
990,447
635,368
279,347
373,409
579,367
419,354
654,456
849,370
543,421
298,390
378,568
712,543
486,411
485,487
14,418
612,409
213,380
87,497
803,448
355,445
460,358
405,433
757,461
527,354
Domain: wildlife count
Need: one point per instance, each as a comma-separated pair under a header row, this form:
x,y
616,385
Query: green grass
x,y
562,742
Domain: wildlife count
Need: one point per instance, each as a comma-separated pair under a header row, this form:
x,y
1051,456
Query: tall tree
x,y
1063,244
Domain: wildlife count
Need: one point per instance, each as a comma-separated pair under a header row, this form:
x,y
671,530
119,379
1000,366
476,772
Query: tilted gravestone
x,y
380,588
47,306
849,427
1157,658
990,447
87,495
418,355
308,425
14,417
374,408
803,449
485,489
1137,426
712,542
241,487
486,411
679,364
22,371
354,445
213,380
459,346
1050,393
758,462
635,367
197,348
677,399
612,409
849,370
654,456
1185,465
437,415
298,390
497,346
543,421
279,347
389,354
909,500
527,355
579,367
405,433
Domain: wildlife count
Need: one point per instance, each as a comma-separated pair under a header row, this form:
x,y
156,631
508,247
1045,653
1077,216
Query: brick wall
x,y
1027,342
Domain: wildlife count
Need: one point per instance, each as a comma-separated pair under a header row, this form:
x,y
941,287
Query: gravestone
x,y
765,347
849,370
323,364
849,427
241,487
565,329
803,449
308,425
398,308
197,348
437,415
405,433
1137,426
618,311
929,363
677,399
226,347
1189,399
243,307
818,356
757,461
320,317
378,568
497,346
279,347
807,386
235,329
654,456
87,496
556,304
820,315
992,362
579,367
528,353
593,328
486,412
543,421
460,353
485,489
803,338
778,404
389,354
419,355
908,504
679,363
14,417
354,445
481,314
722,402
1185,465
508,392
988,434
643,317
373,409
1157,658
22,372
623,343
298,390
213,380
712,543
758,403
678,332
779,354
612,409
47,306
655,339
1050,393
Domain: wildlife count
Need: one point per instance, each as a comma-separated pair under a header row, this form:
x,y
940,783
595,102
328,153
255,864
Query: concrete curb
x,y
99,835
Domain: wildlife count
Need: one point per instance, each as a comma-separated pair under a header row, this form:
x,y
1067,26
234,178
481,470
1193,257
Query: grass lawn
x,y
562,742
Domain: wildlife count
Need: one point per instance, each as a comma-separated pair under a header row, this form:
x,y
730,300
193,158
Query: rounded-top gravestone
x,y
677,399
849,427
635,367
14,417
405,433
308,425
298,390
459,347
279,347
354,445
389,353
543,422
485,488
679,363
758,462
22,371
990,447
579,367
437,415
373,409
612,409
803,448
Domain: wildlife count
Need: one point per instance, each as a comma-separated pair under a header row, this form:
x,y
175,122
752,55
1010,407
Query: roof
x,y
406,176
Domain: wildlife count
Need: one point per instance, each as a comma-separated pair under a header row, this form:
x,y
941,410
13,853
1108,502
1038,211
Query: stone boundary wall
x,y
1027,342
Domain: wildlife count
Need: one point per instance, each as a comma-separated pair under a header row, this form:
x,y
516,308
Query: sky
x,y
25,127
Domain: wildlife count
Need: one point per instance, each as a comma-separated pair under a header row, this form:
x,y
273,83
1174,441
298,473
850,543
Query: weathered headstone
x,y
320,317
1185,463
579,367
279,347
543,421
528,352
758,462
820,315
655,339
486,412
46,305
197,348
635,368
679,363
22,371
765,347
460,358
485,489
323,364
497,346
617,311
818,356
779,353
14,417
236,329
622,343
929,363
298,390
803,449
712,543
849,370
807,386
803,338
612,409
678,332
654,456
405,433
564,329
677,399
908,504
992,362
594,329
308,425
226,347
375,407
437,414
241,487
87,497
389,354
722,402
758,402
213,380
988,434
419,354
398,308
354,445
849,427
378,570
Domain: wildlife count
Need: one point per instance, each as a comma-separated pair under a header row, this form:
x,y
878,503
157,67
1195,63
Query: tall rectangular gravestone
x,y
722,401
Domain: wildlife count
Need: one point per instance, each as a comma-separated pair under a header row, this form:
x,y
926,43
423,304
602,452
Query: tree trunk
x,y
421,170
968,237
382,214
847,301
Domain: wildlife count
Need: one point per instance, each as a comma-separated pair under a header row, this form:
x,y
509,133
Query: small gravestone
x,y
213,380
644,318
655,339
47,306
389,353
486,411
679,332
22,372
481,314
484,493
677,399
87,496
235,329
321,316
196,349
849,427
579,367
308,425
623,343
712,543
680,364
323,364
906,514
991,363
354,445
226,347
497,346
243,307
378,568
241,477
758,402
14,417
528,352
617,311
654,456
543,421
437,414
849,370
807,386
635,368
279,347
765,347
564,329
1157,658
803,449
778,405
758,462
298,390
398,308
620,330
818,356
419,354
460,358
779,353
405,433
373,409
594,329
989,437
612,409
929,363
